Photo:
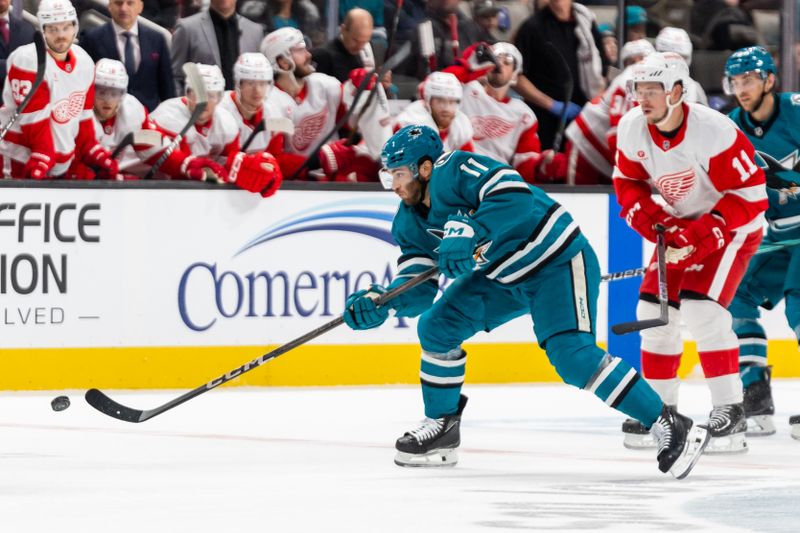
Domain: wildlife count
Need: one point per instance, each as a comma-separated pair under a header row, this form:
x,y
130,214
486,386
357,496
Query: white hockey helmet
x,y
508,49
111,73
252,66
212,76
637,48
656,68
675,40
55,11
442,85
677,62
279,43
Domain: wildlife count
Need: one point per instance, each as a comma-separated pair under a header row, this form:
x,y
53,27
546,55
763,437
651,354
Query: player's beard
x,y
496,81
305,70
759,102
61,46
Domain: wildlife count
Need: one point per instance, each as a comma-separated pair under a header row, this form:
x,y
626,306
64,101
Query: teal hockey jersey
x,y
777,144
525,229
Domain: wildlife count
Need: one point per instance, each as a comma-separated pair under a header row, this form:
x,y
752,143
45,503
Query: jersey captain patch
x,y
674,187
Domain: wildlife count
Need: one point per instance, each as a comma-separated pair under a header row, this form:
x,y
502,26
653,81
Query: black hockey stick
x,y
107,406
41,63
663,296
258,129
198,86
565,75
389,64
625,274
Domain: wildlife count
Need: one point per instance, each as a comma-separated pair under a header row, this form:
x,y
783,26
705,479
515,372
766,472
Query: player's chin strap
x,y
670,109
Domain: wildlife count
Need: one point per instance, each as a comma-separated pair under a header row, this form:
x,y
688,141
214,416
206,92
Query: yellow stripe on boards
x,y
310,365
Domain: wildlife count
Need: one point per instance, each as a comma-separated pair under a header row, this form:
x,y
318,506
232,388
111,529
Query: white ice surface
x,y
533,457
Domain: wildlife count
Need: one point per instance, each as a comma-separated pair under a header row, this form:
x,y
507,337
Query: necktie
x,y
129,64
4,30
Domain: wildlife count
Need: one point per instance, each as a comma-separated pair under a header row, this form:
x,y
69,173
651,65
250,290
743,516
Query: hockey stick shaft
x,y
566,75
775,246
663,294
41,64
389,64
625,274
107,406
258,129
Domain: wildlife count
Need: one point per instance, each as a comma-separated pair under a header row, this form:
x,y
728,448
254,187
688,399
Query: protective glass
x,y
385,175
640,94
108,93
743,82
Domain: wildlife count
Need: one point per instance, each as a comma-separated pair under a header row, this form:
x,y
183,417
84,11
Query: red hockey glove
x,y
100,159
202,169
553,167
645,214
479,59
35,169
357,76
256,173
702,237
336,157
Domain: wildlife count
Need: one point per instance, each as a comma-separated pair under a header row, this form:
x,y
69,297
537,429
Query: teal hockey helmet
x,y
409,147
750,59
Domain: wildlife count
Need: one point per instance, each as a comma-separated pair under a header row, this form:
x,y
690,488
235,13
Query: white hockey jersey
x,y
131,117
314,111
504,131
707,165
456,137
216,140
276,104
69,87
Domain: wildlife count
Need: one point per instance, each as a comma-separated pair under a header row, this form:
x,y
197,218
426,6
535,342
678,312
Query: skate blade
x,y
434,459
634,441
760,426
728,445
796,431
696,441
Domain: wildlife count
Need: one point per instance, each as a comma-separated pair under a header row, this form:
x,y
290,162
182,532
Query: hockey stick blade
x,y
663,295
198,85
100,401
41,64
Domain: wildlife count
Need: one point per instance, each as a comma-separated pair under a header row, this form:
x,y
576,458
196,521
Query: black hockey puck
x,y
60,403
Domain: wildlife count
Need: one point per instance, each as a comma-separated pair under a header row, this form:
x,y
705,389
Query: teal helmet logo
x,y
750,59
409,147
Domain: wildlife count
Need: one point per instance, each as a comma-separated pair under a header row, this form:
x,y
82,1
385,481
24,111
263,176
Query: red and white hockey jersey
x,y
314,111
131,117
218,139
458,136
57,122
503,130
707,166
275,105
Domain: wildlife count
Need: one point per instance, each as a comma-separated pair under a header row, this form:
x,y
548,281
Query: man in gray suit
x,y
216,36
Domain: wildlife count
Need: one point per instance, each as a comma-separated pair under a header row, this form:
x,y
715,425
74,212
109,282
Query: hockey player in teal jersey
x,y
512,251
772,123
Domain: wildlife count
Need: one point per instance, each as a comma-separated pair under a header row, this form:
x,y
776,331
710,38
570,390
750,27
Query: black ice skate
x,y
433,443
680,442
727,425
758,406
638,437
794,421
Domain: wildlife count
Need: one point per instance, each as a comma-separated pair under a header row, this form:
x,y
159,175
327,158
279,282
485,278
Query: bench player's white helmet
x,y
54,11
213,80
279,43
252,66
442,85
675,40
111,73
508,49
639,48
659,68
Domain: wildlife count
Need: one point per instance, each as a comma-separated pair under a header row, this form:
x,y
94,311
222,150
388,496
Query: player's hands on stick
x,y
361,312
35,168
203,169
256,173
702,237
336,156
645,215
552,167
100,159
457,251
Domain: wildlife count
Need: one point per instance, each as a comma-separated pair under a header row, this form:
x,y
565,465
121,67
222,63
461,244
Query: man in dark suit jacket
x,y
19,31
143,51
